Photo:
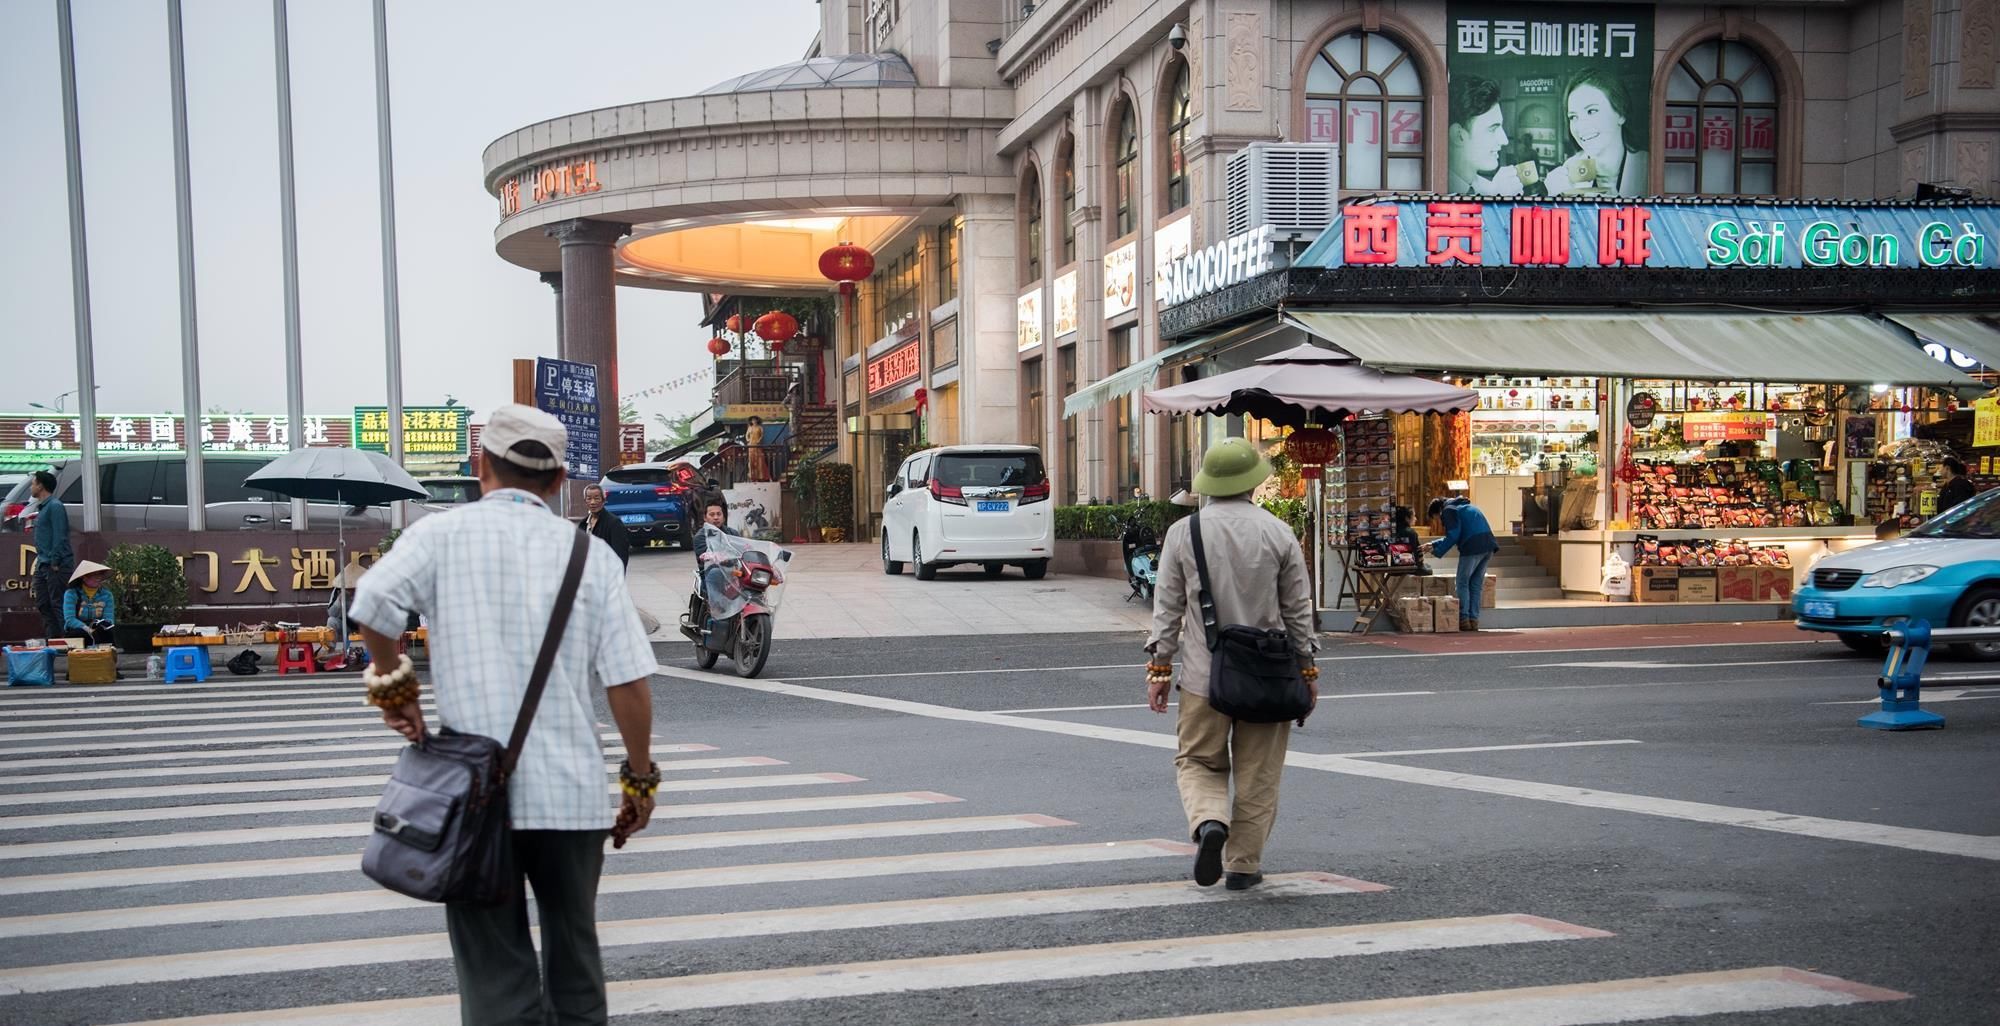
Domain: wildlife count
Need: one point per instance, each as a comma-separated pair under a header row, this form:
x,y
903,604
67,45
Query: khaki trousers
x,y
1213,748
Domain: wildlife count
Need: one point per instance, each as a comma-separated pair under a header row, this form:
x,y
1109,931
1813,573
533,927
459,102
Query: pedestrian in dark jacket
x,y
1957,487
1465,528
605,526
53,555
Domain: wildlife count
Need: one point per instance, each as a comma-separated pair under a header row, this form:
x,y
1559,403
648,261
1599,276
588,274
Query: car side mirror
x,y
894,487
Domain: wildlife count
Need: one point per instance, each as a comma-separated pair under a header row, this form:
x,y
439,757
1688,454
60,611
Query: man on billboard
x,y
1478,134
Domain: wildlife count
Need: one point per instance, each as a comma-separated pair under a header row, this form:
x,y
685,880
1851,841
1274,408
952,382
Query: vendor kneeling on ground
x,y
89,610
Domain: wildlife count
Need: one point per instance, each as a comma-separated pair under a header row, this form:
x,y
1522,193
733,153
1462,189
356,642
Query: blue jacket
x,y
1466,527
81,610
52,534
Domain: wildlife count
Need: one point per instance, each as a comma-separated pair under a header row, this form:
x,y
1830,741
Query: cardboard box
x,y
1490,597
1656,584
1697,584
1737,583
1413,614
1435,585
1444,613
93,666
1774,583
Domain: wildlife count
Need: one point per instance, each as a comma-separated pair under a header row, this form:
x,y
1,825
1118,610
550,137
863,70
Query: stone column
x,y
553,279
589,332
989,379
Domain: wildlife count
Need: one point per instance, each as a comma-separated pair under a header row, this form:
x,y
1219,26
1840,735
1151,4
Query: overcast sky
x,y
461,75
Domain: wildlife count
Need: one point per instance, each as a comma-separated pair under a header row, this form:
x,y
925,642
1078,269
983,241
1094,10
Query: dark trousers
x,y
499,981
50,583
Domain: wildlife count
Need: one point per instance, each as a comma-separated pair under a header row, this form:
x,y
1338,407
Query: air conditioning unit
x,y
1293,187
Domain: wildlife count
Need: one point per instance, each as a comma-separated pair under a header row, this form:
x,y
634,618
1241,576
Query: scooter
x,y
734,600
1141,552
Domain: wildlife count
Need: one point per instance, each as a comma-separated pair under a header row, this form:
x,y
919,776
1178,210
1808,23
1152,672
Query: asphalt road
x,y
1582,816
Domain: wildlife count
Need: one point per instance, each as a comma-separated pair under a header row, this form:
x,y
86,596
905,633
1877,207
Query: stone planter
x,y
1089,558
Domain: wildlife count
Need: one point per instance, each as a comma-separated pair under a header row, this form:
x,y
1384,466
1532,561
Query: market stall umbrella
x,y
1309,384
348,476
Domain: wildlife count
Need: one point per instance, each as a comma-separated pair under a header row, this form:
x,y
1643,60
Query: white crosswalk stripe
x,y
125,909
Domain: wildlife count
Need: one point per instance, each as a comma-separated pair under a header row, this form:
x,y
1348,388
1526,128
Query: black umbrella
x,y
350,476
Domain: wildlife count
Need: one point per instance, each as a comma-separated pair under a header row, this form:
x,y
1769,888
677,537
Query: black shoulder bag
x,y
1253,673
441,830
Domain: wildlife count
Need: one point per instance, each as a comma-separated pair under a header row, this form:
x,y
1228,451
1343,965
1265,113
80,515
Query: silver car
x,y
141,492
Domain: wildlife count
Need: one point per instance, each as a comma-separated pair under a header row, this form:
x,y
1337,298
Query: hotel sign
x,y
551,181
1232,261
903,363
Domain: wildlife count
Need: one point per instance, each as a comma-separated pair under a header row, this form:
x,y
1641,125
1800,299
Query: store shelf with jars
x,y
1525,424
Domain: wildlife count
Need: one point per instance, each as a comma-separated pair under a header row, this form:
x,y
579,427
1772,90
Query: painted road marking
x,y
1912,839
985,969
359,727
1642,664
106,794
360,711
288,906
666,766
377,738
201,705
304,684
1579,1004
1928,696
306,755
672,929
1142,705
1486,748
316,831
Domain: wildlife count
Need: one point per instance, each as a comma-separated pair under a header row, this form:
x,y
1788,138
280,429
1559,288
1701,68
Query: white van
x,y
983,504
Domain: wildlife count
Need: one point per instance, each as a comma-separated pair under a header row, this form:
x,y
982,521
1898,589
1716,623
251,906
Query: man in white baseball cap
x,y
487,576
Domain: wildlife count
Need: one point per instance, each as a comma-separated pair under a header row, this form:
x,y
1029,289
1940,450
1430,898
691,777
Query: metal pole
x,y
184,226
295,382
79,272
391,323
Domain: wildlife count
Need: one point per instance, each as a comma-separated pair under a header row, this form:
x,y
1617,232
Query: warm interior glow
x,y
781,253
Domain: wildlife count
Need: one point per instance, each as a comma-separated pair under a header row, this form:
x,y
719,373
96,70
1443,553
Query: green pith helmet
x,y
1231,467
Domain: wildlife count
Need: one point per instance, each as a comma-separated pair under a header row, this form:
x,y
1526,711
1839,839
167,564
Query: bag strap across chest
x,y
545,659
1211,624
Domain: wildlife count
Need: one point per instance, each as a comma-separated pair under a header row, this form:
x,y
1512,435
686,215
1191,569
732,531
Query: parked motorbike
x,y
1141,551
736,592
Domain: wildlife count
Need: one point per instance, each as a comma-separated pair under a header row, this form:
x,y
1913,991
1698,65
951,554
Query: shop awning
x,y
1803,348
695,441
1122,383
1975,335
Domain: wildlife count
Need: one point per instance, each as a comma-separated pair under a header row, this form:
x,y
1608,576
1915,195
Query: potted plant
x,y
151,590
834,485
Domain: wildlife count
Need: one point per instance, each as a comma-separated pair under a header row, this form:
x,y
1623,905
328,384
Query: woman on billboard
x,y
1599,116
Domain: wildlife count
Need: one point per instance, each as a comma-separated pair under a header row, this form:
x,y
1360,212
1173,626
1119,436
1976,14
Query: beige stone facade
x,y
1017,108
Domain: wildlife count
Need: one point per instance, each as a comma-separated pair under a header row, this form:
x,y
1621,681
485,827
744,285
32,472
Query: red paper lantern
x,y
735,324
1311,448
776,326
718,347
846,263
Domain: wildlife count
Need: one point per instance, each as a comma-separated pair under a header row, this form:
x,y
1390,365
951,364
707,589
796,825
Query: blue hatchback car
x,y
1946,572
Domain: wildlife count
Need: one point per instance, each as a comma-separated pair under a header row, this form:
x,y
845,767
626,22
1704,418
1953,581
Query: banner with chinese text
x,y
567,390
1614,233
431,431
60,436
1549,99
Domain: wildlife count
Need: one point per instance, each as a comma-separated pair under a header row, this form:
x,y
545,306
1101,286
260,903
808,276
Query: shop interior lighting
x,y
1879,389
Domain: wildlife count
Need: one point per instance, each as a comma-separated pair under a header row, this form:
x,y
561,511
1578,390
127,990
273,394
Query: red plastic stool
x,y
302,661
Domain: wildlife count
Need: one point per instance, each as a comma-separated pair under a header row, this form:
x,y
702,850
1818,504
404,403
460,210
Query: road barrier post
x,y
1902,678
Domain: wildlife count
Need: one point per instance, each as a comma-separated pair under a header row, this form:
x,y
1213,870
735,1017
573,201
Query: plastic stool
x,y
296,656
187,662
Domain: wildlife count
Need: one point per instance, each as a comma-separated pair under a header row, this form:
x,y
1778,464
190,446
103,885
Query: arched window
x,y
1721,127
1125,166
1031,227
1066,175
1178,106
1365,92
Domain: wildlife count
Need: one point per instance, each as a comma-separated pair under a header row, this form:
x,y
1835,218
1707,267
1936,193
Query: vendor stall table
x,y
1376,590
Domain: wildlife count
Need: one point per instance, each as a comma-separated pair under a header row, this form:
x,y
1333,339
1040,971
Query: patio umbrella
x,y
1309,384
351,477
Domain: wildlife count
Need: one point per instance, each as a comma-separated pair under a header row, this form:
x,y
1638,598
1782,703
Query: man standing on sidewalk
x,y
1465,527
53,555
1258,573
604,526
487,577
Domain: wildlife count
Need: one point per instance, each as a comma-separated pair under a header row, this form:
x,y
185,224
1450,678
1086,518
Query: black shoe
x,y
1243,881
1210,837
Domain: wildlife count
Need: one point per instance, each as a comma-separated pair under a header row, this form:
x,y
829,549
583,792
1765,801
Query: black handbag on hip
x,y
441,829
1253,673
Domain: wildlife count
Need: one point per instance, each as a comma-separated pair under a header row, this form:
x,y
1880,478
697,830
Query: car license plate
x,y
635,518
1820,610
993,505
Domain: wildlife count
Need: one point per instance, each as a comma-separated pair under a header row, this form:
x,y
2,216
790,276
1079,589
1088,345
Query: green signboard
x,y
435,431
1548,99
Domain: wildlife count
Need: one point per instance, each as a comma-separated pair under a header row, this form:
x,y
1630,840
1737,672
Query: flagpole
x,y
79,273
295,397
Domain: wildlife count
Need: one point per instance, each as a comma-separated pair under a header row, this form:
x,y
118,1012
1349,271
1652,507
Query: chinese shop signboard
x,y
896,366
61,437
1548,99
427,430
567,390
1725,427
1985,422
1615,233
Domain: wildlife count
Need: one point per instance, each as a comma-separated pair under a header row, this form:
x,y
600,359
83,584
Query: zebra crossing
x,y
189,854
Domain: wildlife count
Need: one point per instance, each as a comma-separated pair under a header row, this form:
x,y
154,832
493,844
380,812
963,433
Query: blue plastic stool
x,y
30,667
187,662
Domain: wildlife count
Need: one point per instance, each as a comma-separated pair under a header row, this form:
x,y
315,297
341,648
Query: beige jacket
x,y
1258,576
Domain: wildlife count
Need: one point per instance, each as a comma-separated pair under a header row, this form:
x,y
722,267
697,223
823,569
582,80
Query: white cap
x,y
513,424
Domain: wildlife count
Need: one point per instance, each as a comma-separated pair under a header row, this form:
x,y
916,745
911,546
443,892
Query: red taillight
x,y
1035,493
947,493
663,491
14,509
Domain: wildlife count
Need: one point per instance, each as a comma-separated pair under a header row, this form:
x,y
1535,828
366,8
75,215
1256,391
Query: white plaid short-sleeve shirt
x,y
486,576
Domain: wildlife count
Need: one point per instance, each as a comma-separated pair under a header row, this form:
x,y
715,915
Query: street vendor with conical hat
x,y
89,608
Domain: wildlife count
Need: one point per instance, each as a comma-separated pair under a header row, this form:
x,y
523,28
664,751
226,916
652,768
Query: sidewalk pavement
x,y
839,591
